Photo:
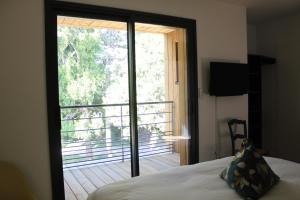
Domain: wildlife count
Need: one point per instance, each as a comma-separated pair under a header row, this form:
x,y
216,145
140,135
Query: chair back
x,y
233,124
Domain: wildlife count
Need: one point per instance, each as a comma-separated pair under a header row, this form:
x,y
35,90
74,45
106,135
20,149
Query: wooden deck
x,y
79,182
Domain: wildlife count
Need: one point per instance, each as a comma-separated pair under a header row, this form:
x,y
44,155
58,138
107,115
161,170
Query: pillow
x,y
249,174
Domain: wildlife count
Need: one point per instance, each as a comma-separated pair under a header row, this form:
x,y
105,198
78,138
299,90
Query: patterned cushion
x,y
249,174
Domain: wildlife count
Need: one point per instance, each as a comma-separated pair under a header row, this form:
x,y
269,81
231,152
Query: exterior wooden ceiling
x,y
95,23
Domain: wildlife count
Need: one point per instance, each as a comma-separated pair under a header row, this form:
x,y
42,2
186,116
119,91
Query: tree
x,y
93,69
83,78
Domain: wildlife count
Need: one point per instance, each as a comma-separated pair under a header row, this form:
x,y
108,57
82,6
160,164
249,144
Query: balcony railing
x,y
95,134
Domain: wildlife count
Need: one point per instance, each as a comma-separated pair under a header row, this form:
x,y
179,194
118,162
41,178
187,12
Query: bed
x,y
199,182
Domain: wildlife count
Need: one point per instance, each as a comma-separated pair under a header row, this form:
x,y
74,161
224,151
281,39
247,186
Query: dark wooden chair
x,y
233,124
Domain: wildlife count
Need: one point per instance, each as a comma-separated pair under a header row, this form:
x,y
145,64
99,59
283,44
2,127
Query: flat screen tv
x,y
228,79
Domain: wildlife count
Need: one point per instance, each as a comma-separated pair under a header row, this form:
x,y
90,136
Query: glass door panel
x,y
93,96
161,83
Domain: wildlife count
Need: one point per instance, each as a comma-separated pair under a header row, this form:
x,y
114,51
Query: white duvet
x,y
199,182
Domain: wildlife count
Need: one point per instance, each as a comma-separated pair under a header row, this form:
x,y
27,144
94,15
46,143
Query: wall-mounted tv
x,y
228,79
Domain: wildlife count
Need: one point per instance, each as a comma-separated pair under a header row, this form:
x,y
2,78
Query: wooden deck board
x,y
79,182
145,169
163,165
125,166
83,181
114,175
154,166
173,157
75,186
101,175
166,160
68,192
92,177
118,168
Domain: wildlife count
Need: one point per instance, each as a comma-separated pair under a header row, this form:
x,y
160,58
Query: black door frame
x,y
55,8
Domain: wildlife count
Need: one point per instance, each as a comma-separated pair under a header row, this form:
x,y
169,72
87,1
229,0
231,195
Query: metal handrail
x,y
127,152
115,116
88,153
104,139
117,104
97,129
122,148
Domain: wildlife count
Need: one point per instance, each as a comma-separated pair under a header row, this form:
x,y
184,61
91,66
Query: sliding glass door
x,y
122,100
161,83
94,103
120,118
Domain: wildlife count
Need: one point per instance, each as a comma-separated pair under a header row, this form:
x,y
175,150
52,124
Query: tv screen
x,y
228,79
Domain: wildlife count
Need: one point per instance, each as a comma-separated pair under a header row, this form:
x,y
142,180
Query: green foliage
x,y
65,128
116,135
82,79
150,67
93,69
83,75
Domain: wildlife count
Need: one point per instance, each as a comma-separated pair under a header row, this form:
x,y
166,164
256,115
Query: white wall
x,y
281,93
251,39
221,34
23,132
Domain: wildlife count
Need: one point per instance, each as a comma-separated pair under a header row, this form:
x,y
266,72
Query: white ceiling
x,y
264,10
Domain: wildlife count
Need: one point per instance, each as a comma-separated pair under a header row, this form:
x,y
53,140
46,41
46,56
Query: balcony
x,y
82,181
96,144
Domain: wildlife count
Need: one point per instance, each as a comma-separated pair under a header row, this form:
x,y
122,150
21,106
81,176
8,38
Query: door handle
x,y
177,63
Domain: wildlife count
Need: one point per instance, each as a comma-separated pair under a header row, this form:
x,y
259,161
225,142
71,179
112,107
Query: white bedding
x,y
199,182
